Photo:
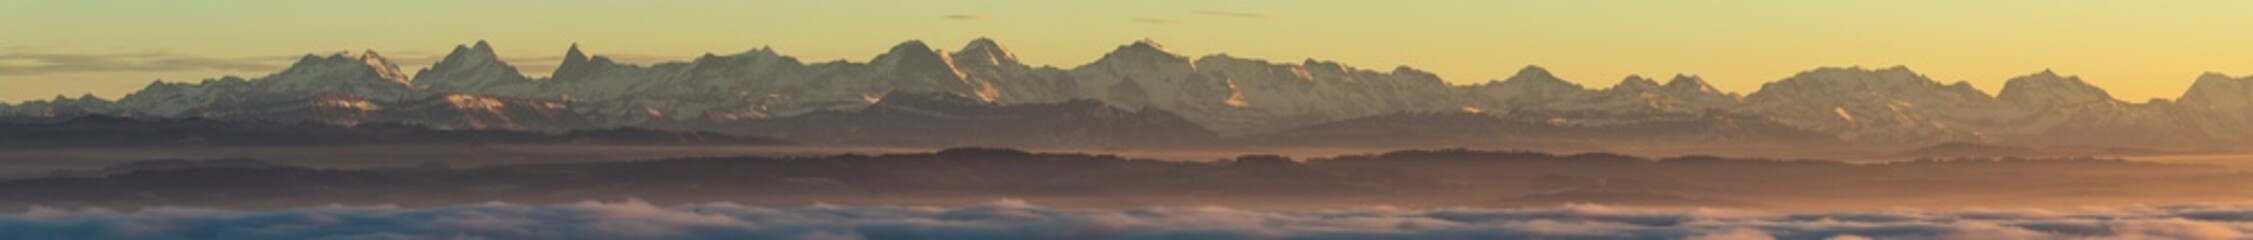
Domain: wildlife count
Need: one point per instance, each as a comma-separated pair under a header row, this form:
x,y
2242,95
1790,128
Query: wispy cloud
x,y
1233,14
1151,20
1021,220
24,61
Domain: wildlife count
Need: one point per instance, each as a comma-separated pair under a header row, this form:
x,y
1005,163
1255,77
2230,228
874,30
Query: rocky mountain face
x,y
108,131
925,119
764,92
471,69
58,108
1882,105
1545,129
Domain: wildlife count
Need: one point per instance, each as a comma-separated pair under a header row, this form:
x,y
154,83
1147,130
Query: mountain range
x,y
107,131
1141,93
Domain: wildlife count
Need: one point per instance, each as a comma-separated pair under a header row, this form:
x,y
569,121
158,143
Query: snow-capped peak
x,y
1635,83
1690,84
1860,81
1148,44
383,67
1141,51
467,68
909,53
464,54
1537,78
1234,95
577,63
2048,87
2217,91
367,62
913,66
984,51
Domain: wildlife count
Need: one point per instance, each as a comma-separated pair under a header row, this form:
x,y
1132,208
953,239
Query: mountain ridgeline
x,y
1141,94
107,131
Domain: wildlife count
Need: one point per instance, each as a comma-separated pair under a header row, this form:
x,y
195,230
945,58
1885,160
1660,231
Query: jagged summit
x,y
1237,96
1635,83
159,83
985,51
384,67
482,46
1837,81
464,54
761,54
910,46
913,66
2049,88
983,42
479,50
577,64
368,62
469,68
2220,92
1417,76
574,54
1689,84
365,76
1857,80
765,52
1146,43
912,52
1536,77
1311,64
1145,50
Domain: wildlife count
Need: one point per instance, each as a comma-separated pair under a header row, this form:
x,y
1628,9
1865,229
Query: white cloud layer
x,y
1020,220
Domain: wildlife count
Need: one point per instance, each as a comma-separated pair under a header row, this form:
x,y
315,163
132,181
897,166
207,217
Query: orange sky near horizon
x,y
2138,50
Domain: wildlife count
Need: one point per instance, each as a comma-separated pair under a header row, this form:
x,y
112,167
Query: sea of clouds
x,y
1009,219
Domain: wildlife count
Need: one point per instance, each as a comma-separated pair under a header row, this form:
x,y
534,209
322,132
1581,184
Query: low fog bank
x,y
1012,219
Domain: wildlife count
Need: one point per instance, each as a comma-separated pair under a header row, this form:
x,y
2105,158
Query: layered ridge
x,y
472,87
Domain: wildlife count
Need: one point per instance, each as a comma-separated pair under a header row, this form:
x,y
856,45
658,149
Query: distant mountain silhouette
x,y
951,120
1535,128
107,131
472,88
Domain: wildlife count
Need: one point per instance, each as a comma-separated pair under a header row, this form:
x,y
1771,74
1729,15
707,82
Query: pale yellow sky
x,y
2136,49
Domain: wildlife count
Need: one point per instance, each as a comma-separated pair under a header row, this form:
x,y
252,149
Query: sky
x,y
2137,49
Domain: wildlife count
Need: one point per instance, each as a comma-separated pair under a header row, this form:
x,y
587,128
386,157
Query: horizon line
x,y
412,75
